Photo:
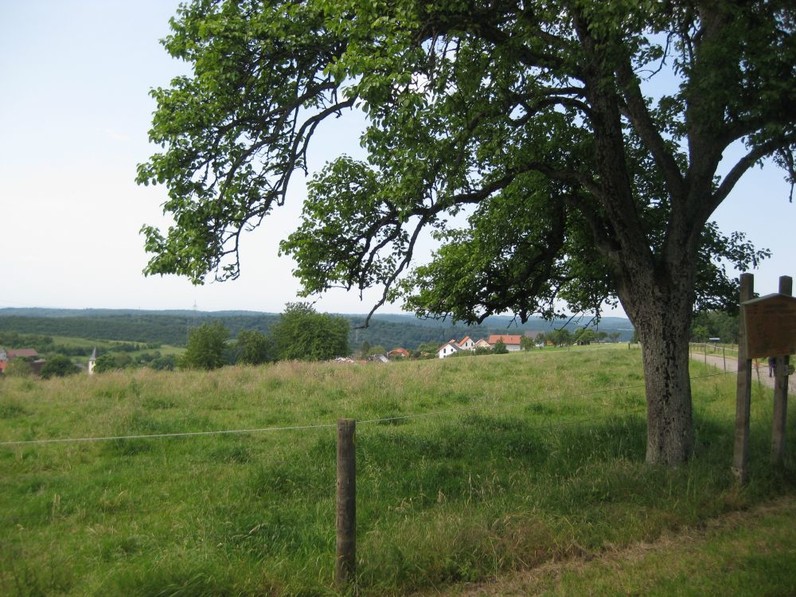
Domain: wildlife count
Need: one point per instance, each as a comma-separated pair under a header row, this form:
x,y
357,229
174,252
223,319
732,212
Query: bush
x,y
58,366
206,347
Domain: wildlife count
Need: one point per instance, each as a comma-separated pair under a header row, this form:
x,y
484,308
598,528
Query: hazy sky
x,y
74,116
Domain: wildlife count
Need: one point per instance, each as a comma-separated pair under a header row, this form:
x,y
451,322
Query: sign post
x,y
743,395
781,372
767,329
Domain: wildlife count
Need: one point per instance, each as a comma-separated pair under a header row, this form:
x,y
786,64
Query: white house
x,y
467,343
448,349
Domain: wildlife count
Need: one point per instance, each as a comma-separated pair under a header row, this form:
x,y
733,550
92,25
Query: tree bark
x,y
660,307
670,433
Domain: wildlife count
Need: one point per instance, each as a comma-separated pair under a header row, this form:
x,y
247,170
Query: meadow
x,y
467,469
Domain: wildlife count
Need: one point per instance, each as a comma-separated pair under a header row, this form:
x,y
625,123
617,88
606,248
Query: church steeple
x,y
92,361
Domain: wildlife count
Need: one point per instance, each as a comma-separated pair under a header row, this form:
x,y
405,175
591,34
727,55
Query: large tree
x,y
587,142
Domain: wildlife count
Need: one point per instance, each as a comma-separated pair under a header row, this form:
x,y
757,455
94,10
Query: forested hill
x,y
172,327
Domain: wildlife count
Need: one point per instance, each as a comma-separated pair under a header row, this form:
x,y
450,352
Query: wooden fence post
x,y
743,398
781,391
345,562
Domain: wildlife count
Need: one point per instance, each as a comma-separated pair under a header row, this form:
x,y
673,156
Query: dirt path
x,y
727,363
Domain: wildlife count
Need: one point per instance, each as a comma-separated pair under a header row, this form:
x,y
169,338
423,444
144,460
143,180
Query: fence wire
x,y
376,421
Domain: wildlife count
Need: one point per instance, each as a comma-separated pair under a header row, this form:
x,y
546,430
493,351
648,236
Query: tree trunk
x,y
670,434
660,308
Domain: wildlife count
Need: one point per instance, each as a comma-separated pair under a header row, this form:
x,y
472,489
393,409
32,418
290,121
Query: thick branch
x,y
741,167
648,132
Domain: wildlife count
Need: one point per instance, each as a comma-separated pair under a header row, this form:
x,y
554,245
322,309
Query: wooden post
x,y
781,391
345,563
724,356
743,398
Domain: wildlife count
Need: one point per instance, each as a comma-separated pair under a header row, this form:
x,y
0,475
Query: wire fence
x,y
310,426
627,415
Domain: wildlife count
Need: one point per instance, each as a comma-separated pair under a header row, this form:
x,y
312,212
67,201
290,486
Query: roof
x,y
399,351
507,339
452,344
23,353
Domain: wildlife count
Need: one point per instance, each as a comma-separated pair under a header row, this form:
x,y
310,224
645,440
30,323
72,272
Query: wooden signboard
x,y
770,326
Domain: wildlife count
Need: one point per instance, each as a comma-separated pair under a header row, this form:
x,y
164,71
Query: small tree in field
x,y
306,335
206,347
254,348
582,180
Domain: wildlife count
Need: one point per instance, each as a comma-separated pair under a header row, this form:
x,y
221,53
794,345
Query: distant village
x,y
28,360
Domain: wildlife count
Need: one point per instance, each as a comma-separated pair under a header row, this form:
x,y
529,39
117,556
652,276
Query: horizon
x,y
533,318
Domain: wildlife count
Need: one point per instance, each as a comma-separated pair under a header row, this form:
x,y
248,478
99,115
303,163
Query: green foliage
x,y
111,361
305,335
160,329
206,348
500,348
58,366
559,337
18,368
715,324
254,348
428,348
585,336
529,138
13,339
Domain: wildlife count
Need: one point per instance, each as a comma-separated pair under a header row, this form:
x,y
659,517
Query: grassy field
x,y
468,469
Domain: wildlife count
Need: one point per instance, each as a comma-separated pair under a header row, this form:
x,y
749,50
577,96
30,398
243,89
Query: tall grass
x,y
467,468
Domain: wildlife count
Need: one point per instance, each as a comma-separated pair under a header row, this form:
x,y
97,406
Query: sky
x,y
75,111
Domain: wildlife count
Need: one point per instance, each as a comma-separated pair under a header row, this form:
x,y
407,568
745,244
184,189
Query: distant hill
x,y
172,326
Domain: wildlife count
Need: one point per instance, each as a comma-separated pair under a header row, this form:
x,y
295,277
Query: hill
x,y
172,327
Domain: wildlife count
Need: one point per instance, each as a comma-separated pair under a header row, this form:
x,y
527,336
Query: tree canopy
x,y
586,143
303,334
59,366
254,347
206,346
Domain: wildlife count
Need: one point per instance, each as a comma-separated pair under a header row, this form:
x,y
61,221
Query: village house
x,y
399,353
512,342
452,346
467,343
447,349
29,354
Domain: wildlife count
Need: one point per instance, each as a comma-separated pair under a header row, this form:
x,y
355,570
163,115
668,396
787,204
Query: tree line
x,y
300,333
156,328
